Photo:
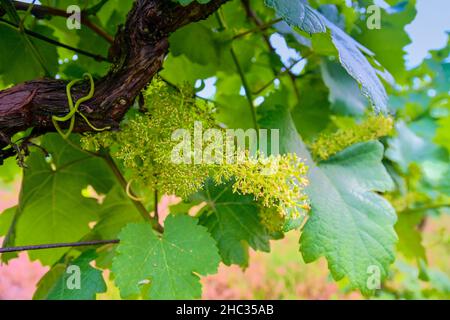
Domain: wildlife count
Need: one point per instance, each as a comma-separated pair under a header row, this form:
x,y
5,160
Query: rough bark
x,y
137,53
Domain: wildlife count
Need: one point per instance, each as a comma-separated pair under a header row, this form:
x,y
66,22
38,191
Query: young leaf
x,y
168,261
208,48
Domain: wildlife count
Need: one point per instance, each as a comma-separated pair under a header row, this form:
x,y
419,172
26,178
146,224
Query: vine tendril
x,y
74,109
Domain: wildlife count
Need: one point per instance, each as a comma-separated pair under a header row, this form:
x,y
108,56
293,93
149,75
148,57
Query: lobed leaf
x,y
169,262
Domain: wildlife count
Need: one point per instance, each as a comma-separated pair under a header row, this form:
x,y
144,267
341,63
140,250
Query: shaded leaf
x,y
345,96
233,221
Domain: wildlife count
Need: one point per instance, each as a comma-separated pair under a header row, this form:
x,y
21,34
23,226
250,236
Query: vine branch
x,y
261,27
40,11
137,54
59,245
54,42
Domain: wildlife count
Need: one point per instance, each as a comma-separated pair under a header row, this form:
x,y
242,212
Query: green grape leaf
x,y
73,65
299,14
61,282
350,225
51,206
233,221
443,133
352,56
278,117
208,49
170,262
407,147
345,96
8,219
191,71
233,111
113,14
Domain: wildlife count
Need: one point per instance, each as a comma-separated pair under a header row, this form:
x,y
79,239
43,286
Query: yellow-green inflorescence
x,y
277,182
374,127
144,144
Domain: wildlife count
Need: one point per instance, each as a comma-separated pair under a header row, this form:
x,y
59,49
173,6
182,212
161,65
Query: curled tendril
x,y
74,108
129,194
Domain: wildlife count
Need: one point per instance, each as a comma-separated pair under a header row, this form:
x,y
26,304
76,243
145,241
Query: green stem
x,y
156,205
247,90
24,18
139,206
41,37
123,183
12,13
257,28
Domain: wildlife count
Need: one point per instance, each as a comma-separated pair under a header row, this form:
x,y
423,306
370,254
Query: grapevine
x,y
196,149
144,145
